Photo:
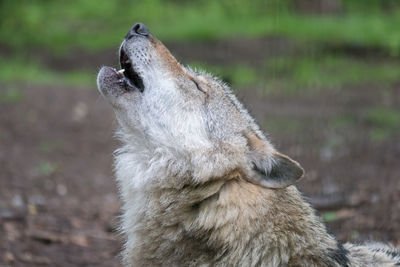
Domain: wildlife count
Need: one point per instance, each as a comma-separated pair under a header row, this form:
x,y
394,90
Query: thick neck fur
x,y
170,218
200,183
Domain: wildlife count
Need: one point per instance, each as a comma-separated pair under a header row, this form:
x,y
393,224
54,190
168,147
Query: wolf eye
x,y
198,86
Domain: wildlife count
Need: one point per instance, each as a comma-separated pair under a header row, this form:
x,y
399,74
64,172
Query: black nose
x,y
137,29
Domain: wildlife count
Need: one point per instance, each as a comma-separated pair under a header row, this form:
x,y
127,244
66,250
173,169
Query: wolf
x,y
201,184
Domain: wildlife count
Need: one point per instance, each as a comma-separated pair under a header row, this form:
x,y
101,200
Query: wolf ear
x,y
270,168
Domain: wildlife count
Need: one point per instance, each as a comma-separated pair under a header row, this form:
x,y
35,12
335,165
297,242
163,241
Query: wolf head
x,y
186,119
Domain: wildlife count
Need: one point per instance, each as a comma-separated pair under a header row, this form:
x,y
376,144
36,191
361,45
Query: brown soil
x,y
58,199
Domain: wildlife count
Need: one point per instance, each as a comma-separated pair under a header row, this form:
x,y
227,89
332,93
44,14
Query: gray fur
x,y
202,185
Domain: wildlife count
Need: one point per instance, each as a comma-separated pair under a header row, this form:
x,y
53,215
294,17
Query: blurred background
x,y
322,77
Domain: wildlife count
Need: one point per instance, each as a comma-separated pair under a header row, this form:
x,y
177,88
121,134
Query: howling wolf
x,y
200,182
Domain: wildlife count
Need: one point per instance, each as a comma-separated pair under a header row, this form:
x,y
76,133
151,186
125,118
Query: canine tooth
x,y
121,71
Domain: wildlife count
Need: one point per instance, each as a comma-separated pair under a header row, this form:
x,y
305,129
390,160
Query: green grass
x,y
330,216
59,25
18,70
281,74
327,71
305,74
384,117
364,30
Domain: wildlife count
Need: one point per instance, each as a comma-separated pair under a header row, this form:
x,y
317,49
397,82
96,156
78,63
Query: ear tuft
x,y
271,169
282,173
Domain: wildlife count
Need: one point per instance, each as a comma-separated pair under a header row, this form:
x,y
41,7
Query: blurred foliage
x,y
384,117
304,73
59,25
327,71
329,216
33,72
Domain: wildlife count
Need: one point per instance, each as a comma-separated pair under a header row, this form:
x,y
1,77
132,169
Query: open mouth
x,y
131,77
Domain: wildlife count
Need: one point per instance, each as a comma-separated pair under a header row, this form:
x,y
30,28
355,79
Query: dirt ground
x,y
59,204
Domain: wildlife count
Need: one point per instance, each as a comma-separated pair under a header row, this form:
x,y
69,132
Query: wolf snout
x,y
136,30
